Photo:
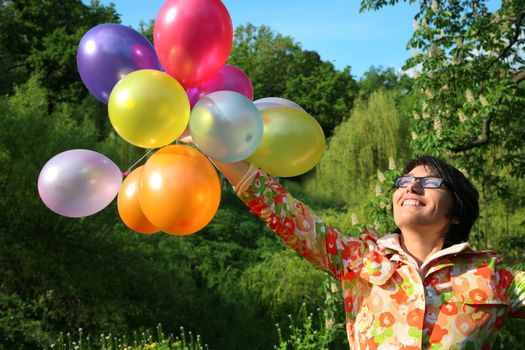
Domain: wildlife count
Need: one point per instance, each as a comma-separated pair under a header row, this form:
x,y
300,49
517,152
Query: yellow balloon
x,y
149,108
293,142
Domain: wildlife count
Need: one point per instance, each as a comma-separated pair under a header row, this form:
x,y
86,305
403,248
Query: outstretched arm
x,y
234,172
294,222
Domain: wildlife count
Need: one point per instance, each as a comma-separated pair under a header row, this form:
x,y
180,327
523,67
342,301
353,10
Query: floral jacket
x,y
457,299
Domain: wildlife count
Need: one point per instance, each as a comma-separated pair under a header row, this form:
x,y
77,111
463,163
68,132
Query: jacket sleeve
x,y
516,290
299,227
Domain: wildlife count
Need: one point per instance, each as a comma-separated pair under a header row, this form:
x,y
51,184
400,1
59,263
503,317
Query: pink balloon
x,y
228,78
79,183
193,39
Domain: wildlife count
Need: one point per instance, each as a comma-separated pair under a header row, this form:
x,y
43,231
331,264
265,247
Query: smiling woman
x,y
422,287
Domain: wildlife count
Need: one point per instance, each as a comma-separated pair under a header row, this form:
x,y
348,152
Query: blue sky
x,y
335,28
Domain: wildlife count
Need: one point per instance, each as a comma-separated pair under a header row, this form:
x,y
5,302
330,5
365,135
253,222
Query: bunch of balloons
x,y
179,86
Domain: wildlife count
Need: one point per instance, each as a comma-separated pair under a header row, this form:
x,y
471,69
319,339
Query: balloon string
x,y
126,173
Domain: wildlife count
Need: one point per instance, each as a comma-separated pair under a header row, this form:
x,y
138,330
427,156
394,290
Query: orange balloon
x,y
179,190
128,204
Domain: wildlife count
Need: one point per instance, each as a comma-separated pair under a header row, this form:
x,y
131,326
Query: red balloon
x,y
193,39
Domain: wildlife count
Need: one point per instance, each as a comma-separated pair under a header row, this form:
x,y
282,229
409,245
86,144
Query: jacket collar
x,y
390,243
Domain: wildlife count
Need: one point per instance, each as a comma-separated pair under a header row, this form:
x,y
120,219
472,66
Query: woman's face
x,y
416,207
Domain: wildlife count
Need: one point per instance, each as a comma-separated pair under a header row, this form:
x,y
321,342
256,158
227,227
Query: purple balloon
x,y
270,102
229,78
79,183
108,52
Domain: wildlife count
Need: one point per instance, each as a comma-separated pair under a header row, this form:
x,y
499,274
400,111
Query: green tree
x,y
277,66
43,36
376,78
360,147
470,105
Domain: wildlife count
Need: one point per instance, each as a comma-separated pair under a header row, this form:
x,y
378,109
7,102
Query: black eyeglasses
x,y
424,181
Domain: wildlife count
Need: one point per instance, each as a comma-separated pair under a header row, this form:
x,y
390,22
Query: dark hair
x,y
466,208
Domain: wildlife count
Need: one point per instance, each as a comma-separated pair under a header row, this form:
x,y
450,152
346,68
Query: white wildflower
x,y
483,101
380,176
391,163
424,22
354,219
429,94
437,127
414,135
462,116
435,5
415,53
416,25
469,96
415,115
378,191
426,116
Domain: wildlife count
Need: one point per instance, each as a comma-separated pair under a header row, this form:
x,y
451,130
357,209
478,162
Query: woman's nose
x,y
415,187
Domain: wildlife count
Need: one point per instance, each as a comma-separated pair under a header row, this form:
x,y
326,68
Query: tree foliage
x,y
360,147
234,280
279,67
43,36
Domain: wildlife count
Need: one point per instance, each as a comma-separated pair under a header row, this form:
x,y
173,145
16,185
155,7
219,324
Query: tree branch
x,y
520,76
482,139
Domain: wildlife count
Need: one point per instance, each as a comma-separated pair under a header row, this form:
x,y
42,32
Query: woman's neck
x,y
420,246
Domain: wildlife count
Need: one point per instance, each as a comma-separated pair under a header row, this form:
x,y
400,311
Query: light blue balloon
x,y
226,126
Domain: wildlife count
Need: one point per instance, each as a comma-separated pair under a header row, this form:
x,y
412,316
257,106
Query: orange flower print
x,y
371,344
349,275
400,296
386,319
415,318
477,295
305,223
484,271
464,324
437,334
409,347
460,284
449,309
375,303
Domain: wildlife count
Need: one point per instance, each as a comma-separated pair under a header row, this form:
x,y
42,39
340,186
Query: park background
x,y
92,283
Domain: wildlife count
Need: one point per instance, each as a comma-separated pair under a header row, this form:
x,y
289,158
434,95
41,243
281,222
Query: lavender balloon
x,y
271,102
108,52
226,126
78,183
228,78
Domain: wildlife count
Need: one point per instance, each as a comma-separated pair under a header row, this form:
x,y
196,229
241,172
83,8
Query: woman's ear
x,y
453,220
